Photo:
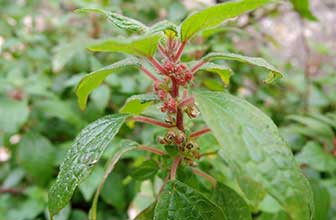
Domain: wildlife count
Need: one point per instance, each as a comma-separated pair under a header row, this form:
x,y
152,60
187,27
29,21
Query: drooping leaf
x,y
232,204
257,61
85,152
120,149
118,20
178,201
223,71
254,149
37,157
13,114
140,46
136,104
314,156
146,214
94,79
302,7
215,15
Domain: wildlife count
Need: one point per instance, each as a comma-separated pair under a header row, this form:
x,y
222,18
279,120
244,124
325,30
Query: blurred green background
x,y
43,57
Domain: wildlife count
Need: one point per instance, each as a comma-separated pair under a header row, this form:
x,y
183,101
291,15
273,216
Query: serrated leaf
x,y
302,7
13,114
121,149
314,156
146,214
118,20
146,170
140,46
178,201
85,152
232,204
93,80
254,149
257,61
37,157
215,15
136,104
223,71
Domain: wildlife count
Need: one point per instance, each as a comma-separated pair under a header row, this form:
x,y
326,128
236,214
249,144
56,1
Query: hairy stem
x,y
206,176
200,132
151,121
156,64
195,68
186,101
179,119
174,166
152,150
175,88
149,74
180,51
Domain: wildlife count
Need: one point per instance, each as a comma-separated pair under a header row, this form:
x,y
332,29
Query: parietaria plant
x,y
251,144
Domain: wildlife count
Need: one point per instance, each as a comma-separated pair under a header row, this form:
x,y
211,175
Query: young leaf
x,y
215,15
118,20
179,201
164,26
223,71
257,61
302,7
138,103
121,149
254,149
94,79
233,205
141,46
85,152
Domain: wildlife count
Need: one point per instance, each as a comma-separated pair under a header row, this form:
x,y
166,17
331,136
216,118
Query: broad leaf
x,y
138,103
146,170
321,200
215,15
141,46
223,71
146,214
257,61
178,201
302,7
118,20
121,149
94,79
314,156
37,157
81,158
252,146
232,204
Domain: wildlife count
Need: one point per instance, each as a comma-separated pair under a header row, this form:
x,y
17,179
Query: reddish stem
x,y
180,51
200,132
186,101
149,74
162,50
175,88
206,176
156,64
152,150
151,121
197,66
173,168
179,119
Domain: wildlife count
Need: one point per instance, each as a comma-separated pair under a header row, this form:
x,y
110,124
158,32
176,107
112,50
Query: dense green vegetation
x,y
61,103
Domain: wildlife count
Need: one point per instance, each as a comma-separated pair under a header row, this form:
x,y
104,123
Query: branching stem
x,y
186,101
149,74
173,168
206,176
200,132
151,121
180,51
152,150
195,68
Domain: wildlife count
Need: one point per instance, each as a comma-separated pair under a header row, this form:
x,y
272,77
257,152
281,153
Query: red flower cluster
x,y
177,72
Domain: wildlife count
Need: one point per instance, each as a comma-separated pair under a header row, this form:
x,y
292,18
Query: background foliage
x,y
43,57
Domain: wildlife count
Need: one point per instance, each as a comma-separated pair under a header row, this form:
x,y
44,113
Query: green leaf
x,y
118,20
215,15
254,149
223,71
121,149
90,185
140,46
100,97
314,156
136,104
37,157
146,170
321,200
85,152
166,26
257,61
232,204
114,191
93,80
13,115
146,214
302,7
178,201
